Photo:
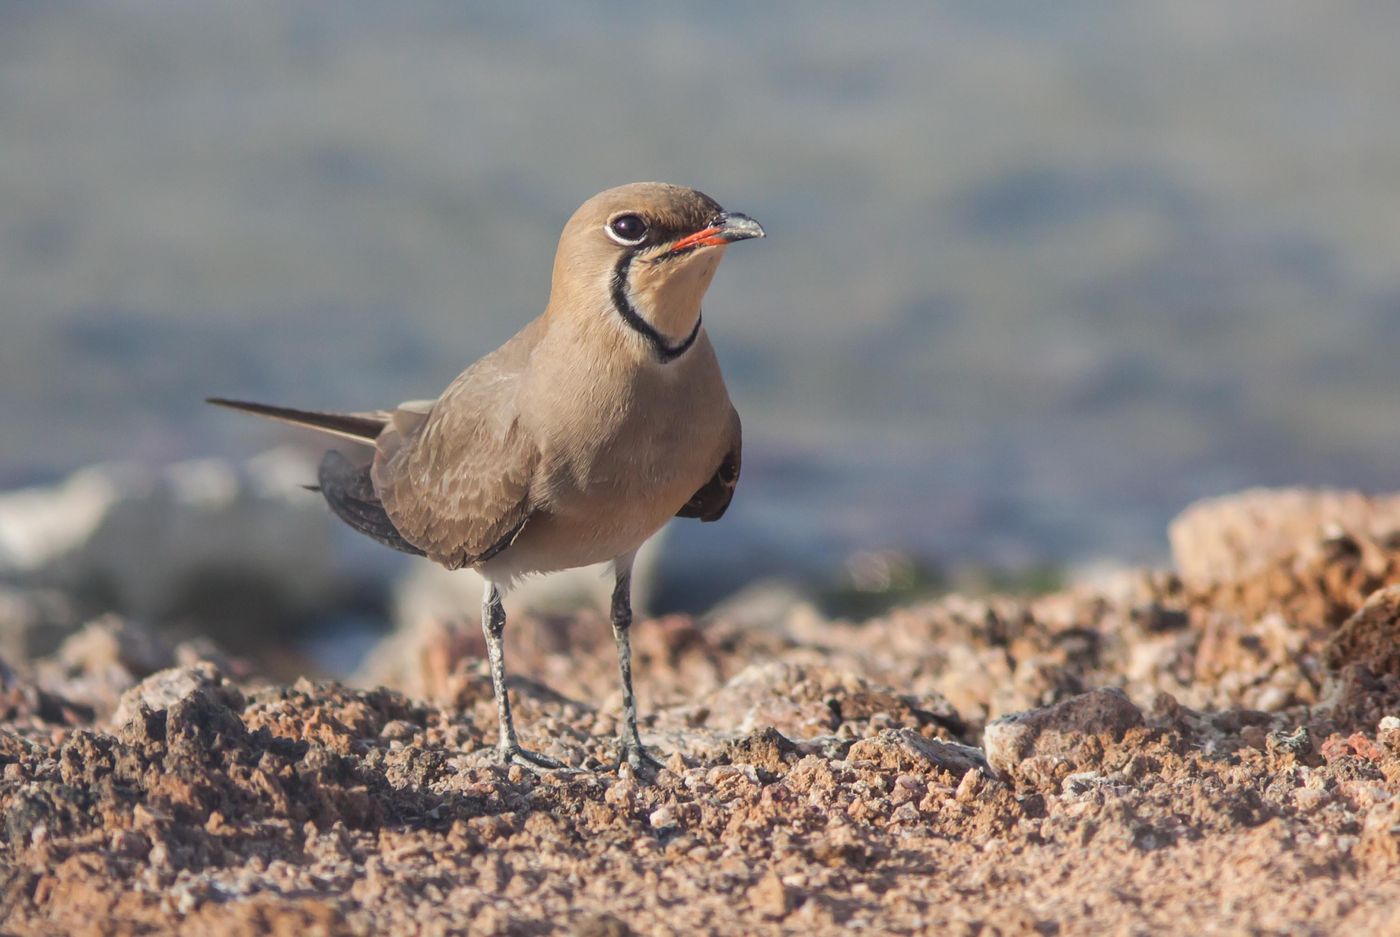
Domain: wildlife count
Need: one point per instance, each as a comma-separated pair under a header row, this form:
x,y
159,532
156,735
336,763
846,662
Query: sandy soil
x,y
1215,752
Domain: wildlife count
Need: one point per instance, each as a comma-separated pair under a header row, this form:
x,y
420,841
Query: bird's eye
x,y
627,229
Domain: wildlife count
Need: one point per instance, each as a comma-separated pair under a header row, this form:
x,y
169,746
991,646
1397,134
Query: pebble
x,y
1272,699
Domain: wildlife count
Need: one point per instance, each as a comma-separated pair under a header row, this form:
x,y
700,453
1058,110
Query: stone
x,y
906,750
766,749
210,535
111,641
163,689
1237,536
1370,637
770,897
804,702
1064,733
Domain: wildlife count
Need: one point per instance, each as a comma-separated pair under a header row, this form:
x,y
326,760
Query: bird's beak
x,y
727,227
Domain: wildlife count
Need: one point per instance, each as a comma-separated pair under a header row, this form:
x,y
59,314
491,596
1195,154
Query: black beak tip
x,y
740,227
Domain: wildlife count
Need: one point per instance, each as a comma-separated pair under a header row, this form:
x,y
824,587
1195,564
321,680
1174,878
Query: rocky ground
x,y
1215,750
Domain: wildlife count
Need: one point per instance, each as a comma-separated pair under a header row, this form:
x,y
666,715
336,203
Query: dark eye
x,y
628,229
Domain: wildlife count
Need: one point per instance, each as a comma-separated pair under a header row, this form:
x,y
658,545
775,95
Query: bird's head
x,y
649,250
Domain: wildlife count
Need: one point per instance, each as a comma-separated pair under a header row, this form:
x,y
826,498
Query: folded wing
x,y
454,475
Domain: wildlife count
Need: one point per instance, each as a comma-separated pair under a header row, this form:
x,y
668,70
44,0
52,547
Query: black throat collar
x,y
665,353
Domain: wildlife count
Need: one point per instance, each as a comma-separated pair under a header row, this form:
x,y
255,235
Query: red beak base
x,y
705,237
727,228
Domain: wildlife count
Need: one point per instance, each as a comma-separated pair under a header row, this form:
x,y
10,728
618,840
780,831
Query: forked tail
x,y
361,427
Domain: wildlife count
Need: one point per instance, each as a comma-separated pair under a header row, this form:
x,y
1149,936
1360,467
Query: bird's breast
x,y
620,454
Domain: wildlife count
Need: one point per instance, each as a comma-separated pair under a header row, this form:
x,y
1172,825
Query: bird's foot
x,y
635,756
515,755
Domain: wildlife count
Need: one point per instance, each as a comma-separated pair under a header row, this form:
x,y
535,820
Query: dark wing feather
x,y
350,493
712,500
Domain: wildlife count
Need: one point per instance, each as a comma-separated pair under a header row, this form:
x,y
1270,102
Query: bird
x,y
573,442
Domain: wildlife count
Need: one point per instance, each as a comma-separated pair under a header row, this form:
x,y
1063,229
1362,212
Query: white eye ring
x,y
619,227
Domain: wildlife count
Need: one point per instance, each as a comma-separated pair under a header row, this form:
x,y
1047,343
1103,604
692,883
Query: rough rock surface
x,y
1187,759
1058,738
908,751
1372,636
1236,537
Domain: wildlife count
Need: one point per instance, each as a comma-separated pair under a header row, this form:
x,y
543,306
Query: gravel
x,y
1139,757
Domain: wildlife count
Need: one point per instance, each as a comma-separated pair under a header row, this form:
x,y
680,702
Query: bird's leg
x,y
493,625
630,748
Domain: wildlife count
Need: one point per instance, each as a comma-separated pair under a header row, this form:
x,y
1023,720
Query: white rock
x,y
40,524
146,535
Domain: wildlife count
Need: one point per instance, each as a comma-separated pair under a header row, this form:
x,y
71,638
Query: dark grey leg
x,y
493,625
630,748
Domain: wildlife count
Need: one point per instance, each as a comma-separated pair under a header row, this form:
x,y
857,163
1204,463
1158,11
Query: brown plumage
x,y
578,438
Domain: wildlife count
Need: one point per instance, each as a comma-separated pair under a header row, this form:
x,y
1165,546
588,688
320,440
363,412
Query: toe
x,y
638,759
527,758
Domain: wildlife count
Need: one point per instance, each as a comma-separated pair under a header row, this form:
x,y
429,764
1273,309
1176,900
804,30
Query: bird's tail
x,y
360,427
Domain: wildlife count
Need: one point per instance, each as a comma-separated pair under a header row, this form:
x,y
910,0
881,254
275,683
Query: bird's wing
x,y
454,474
348,490
712,500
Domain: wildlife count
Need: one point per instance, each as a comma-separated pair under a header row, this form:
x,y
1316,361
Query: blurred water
x,y
1037,275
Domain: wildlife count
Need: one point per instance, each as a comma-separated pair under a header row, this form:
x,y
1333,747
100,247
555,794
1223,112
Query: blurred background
x,y
1038,275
